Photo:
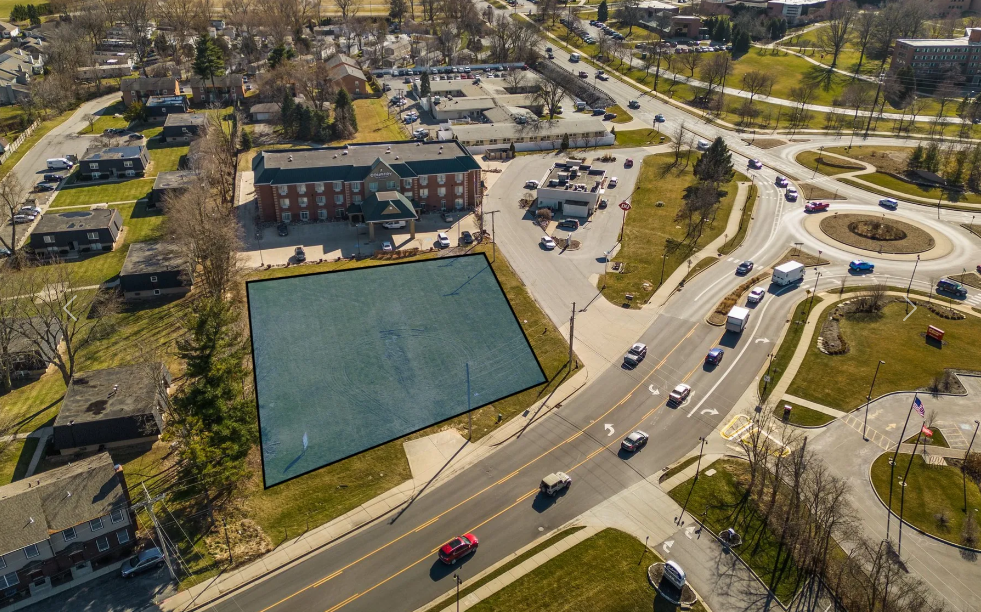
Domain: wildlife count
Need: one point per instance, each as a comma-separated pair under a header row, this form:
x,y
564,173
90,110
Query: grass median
x,y
788,347
801,415
829,166
744,219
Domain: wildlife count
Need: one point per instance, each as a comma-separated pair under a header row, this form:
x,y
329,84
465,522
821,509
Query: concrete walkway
x,y
813,405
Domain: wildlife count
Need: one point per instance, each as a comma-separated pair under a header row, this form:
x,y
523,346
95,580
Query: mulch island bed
x,y
721,312
874,233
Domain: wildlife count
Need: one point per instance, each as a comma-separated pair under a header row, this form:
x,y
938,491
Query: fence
x,y
20,140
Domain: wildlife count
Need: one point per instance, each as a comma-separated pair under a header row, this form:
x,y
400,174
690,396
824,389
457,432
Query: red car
x,y
458,547
629,163
816,206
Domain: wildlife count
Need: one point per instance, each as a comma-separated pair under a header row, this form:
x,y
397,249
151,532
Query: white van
x,y
703,145
59,163
574,58
393,224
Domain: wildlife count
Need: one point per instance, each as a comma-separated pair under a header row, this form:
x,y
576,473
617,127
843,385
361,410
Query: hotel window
x,y
92,235
283,189
440,178
287,217
338,186
122,536
423,193
318,187
458,190
304,215
322,214
302,202
49,239
459,177
441,191
356,186
284,203
423,180
356,199
321,200
390,185
373,186
407,183
116,515
301,188
102,543
95,524
9,580
69,534
458,202
338,199
31,551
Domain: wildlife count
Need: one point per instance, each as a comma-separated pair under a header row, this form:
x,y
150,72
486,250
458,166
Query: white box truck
x,y
738,319
790,272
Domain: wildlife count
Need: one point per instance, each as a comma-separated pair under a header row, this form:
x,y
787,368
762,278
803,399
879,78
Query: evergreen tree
x,y
18,13
288,115
424,88
304,123
931,159
344,111
740,41
602,12
715,165
281,53
33,15
208,60
136,111
565,142
915,161
246,140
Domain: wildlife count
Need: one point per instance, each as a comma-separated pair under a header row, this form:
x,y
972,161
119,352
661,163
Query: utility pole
x,y
875,100
892,463
148,504
766,380
572,330
966,455
701,447
493,243
228,543
868,400
458,580
910,285
469,414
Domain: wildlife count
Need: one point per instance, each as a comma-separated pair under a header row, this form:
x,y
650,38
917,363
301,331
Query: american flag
x,y
919,406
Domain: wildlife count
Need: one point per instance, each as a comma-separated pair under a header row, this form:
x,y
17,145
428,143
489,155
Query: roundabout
x,y
882,235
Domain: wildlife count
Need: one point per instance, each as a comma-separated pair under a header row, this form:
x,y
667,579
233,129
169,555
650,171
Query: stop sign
x,y
625,205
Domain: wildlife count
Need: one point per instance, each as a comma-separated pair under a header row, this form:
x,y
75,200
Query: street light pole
x,y
868,400
701,447
892,463
910,285
458,580
902,494
964,465
813,293
875,101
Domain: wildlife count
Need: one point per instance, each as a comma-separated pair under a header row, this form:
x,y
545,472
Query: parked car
x,y
531,184
659,118
283,229
387,246
135,137
635,441
816,207
466,237
755,164
393,224
860,265
609,116
53,178
635,355
569,224
44,187
756,295
745,267
679,394
612,183
299,254
18,219
603,204
457,548
889,203
144,561
714,356
599,111
27,209
948,286
547,243
442,240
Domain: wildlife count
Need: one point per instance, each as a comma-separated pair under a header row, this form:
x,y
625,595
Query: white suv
x,y
442,240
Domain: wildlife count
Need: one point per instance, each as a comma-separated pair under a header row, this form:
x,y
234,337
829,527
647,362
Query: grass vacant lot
x,y
934,494
842,381
374,124
622,115
801,415
600,574
720,502
789,345
652,230
79,193
790,70
887,159
830,166
107,119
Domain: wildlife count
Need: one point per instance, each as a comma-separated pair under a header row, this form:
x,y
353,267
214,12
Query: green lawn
x,y
166,157
720,502
15,459
873,189
649,228
934,494
937,440
622,116
890,182
106,119
842,381
789,70
678,468
641,138
79,193
801,415
745,217
374,123
828,165
600,574
789,344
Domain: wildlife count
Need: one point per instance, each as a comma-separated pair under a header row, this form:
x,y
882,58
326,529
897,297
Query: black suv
x,y
569,224
948,286
53,178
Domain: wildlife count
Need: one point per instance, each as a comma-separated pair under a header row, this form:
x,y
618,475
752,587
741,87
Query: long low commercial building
x,y
531,136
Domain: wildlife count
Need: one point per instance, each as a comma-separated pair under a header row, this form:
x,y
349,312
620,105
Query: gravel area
x,y
916,240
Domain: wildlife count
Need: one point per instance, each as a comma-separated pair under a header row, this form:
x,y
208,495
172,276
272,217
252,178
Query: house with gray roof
x,y
183,127
16,70
111,408
171,182
71,234
113,162
63,527
154,270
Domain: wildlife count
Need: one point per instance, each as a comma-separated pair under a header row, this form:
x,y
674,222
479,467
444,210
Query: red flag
x,y
927,431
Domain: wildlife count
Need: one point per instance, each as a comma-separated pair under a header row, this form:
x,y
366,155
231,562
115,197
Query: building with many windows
x,y
322,184
941,57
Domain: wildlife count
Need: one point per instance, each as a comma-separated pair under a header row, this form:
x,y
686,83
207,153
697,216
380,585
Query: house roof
x,y
339,59
355,162
23,330
265,107
112,393
128,152
33,508
142,83
469,133
228,80
342,70
76,220
173,180
167,101
185,119
385,206
153,257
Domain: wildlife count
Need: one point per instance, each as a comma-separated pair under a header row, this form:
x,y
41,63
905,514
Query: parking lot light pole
x,y
458,580
910,285
702,441
964,465
868,400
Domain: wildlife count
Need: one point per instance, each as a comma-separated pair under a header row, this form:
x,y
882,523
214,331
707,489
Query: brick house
x,y
63,527
225,89
141,88
307,184
346,73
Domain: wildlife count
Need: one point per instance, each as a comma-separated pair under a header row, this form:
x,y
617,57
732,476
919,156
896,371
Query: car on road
x,y
442,240
679,394
702,145
457,548
791,195
755,164
612,183
628,163
283,230
531,184
387,246
889,203
953,287
583,74
745,267
143,561
53,178
816,206
714,356
554,483
635,441
44,187
781,182
547,243
756,295
601,76
633,104
659,118
860,265
603,203
466,237
635,355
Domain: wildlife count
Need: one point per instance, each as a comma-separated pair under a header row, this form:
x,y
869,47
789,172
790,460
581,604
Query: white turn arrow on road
x,y
711,411
609,430
654,390
763,340
667,545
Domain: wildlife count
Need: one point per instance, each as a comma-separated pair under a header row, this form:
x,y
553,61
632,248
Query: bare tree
x,y
549,95
350,8
10,314
315,83
836,34
137,16
185,18
866,23
515,79
629,14
11,198
756,82
715,71
217,161
690,62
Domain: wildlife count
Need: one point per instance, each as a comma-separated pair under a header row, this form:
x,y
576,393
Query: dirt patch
x,y
861,231
813,192
885,159
247,539
837,162
974,229
970,279
718,316
767,143
801,256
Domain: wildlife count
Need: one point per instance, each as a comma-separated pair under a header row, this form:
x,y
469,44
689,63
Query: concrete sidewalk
x,y
813,405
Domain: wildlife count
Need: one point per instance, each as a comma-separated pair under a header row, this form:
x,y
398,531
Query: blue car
x,y
861,266
714,356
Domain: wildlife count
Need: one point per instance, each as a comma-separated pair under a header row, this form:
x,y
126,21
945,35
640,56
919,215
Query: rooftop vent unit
x,y
396,157
290,158
344,152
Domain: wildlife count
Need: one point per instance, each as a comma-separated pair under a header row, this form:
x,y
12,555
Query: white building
x,y
495,138
572,188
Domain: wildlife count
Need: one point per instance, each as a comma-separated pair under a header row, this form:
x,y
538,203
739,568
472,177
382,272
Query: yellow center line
x,y
334,575
426,524
482,491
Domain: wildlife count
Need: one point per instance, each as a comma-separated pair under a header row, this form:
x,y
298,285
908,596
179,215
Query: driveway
x,y
111,593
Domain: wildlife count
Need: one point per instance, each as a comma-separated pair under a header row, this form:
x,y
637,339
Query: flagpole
x,y
892,466
902,495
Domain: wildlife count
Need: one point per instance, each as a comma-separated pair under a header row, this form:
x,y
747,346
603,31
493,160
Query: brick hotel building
x,y
334,182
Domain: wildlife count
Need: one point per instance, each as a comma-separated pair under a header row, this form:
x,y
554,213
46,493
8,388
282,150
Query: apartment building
x,y
333,182
932,58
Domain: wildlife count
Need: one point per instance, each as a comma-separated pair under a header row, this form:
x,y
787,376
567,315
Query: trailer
x,y
738,319
788,273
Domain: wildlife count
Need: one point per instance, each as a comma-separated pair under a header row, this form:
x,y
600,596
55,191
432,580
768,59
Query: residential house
x,y
16,69
9,30
153,270
63,527
224,89
346,73
112,408
170,182
114,162
27,359
160,107
266,111
183,128
138,89
70,234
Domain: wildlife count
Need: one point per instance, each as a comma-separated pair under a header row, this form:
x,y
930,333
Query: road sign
x,y
625,205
